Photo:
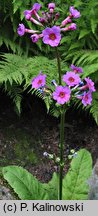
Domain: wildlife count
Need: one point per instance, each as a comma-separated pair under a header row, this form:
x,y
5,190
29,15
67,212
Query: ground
x,y
23,140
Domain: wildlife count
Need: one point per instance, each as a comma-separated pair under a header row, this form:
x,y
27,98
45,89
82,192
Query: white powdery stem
x,y
64,29
75,87
31,31
35,21
36,15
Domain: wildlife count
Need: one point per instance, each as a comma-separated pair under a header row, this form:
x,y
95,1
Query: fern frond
x,y
15,93
16,73
17,68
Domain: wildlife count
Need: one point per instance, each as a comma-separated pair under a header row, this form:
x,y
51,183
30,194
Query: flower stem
x,y
59,65
61,132
61,154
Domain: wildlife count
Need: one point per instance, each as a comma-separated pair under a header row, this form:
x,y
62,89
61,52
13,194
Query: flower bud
x,y
27,14
35,38
45,154
51,7
57,160
74,13
57,16
36,7
72,27
66,21
21,29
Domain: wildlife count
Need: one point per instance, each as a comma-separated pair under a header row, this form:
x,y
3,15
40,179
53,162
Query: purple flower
x,y
35,38
71,79
66,21
36,7
39,81
51,7
61,94
74,13
76,69
87,98
21,29
28,14
72,27
52,36
90,84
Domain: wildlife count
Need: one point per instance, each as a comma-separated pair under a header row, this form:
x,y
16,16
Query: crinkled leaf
x,y
75,185
52,187
24,183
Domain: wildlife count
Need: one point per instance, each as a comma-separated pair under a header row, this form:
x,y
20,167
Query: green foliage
x,y
12,14
16,73
28,187
88,59
52,187
15,68
24,184
82,45
75,186
79,47
86,35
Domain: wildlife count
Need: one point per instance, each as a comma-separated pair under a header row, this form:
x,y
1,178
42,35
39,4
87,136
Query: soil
x,y
23,140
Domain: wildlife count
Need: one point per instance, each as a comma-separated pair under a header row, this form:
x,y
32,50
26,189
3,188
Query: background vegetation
x,y
23,60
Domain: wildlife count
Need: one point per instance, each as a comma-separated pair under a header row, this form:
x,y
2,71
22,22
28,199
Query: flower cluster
x,y
50,32
72,86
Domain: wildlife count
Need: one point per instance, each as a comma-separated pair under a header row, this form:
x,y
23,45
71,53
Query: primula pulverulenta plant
x,y
69,85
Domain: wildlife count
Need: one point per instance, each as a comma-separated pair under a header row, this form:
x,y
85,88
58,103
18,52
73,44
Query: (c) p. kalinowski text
x,y
49,207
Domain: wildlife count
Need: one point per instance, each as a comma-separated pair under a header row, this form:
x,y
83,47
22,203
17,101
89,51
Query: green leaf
x,y
93,25
24,184
75,186
83,33
65,39
1,40
52,187
16,5
88,71
75,45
